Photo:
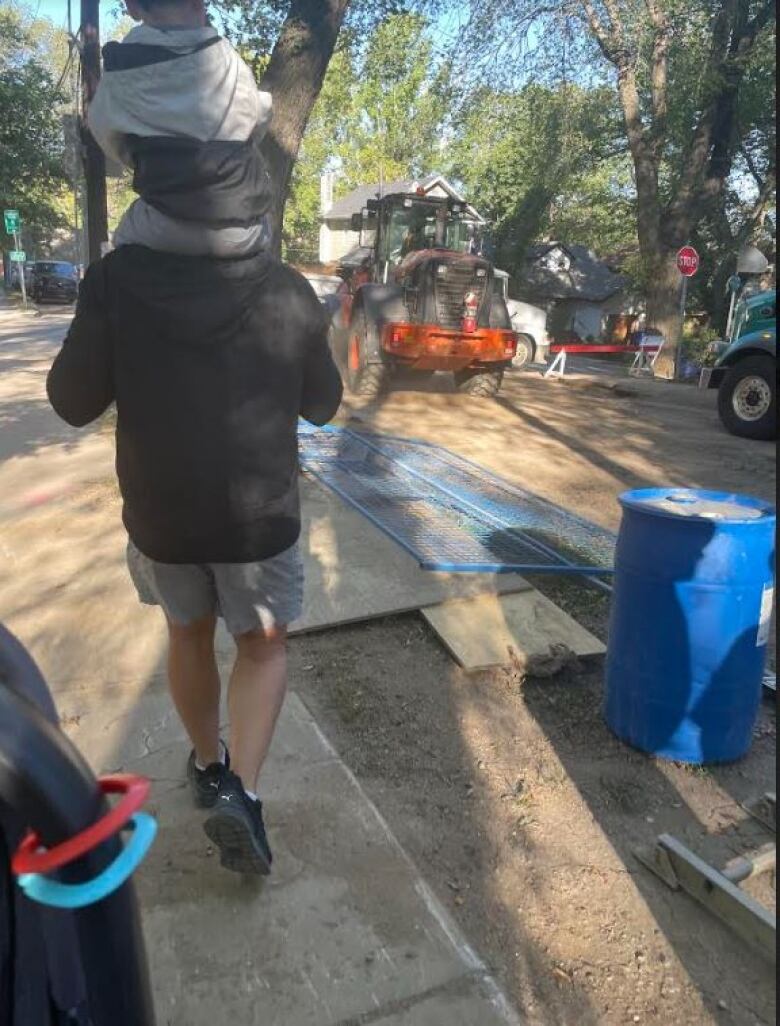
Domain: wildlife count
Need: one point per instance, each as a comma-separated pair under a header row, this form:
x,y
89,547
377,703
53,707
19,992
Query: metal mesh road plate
x,y
450,514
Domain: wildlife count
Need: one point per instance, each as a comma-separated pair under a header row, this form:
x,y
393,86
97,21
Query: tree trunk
x,y
657,236
294,77
664,308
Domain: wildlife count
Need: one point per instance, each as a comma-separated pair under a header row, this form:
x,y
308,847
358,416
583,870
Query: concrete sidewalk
x,y
344,933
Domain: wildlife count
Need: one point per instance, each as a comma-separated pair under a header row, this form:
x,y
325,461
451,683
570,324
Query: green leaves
x,y
32,171
693,83
400,104
547,162
381,113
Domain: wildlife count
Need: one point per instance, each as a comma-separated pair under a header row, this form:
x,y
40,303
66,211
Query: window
x,y
459,235
55,267
414,227
410,229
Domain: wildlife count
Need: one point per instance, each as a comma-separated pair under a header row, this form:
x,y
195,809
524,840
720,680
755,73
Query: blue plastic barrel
x,y
691,618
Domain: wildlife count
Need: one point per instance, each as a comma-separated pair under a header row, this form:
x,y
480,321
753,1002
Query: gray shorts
x,y
246,595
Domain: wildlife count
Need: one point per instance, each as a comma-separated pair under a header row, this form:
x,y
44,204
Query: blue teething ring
x,y
50,892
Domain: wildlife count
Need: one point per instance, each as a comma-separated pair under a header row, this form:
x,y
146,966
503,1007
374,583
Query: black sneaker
x,y
236,827
205,783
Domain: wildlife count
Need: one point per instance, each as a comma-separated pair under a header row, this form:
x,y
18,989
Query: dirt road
x,y
518,806
511,794
583,440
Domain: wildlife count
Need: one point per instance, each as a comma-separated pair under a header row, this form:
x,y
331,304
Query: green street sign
x,y
18,256
12,221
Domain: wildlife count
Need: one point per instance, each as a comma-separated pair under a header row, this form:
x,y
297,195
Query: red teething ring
x,y
32,858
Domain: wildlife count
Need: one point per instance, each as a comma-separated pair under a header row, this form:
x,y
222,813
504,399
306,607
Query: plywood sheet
x,y
479,632
354,572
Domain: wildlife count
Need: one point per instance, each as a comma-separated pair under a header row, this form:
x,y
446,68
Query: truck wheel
x,y
486,384
365,379
747,400
525,352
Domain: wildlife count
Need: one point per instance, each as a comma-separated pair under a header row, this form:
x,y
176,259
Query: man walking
x,y
210,364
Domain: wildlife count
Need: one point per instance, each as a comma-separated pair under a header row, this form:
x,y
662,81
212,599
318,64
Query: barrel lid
x,y
696,504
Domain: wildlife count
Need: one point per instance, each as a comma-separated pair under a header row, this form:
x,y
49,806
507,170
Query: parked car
x,y
746,371
54,280
530,323
326,287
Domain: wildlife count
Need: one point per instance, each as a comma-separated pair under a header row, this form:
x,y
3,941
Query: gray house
x,y
336,235
580,291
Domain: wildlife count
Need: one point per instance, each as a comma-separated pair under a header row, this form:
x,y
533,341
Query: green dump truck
x,y
746,372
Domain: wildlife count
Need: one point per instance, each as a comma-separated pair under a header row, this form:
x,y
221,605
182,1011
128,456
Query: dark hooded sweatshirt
x,y
210,364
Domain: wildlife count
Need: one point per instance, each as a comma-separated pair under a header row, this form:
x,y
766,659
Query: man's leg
x,y
195,685
270,595
258,687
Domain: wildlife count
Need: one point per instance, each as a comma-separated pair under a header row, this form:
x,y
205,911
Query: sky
x,y
57,11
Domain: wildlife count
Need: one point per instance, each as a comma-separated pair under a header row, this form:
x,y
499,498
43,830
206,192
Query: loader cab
x,y
399,225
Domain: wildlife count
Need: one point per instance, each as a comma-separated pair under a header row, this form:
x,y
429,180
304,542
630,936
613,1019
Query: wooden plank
x,y
754,923
525,628
355,573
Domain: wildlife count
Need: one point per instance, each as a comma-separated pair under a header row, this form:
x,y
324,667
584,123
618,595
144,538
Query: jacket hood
x,y
192,300
156,83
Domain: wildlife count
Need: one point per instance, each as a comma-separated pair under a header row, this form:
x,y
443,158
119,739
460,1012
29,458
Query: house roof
x,y
588,278
345,207
355,256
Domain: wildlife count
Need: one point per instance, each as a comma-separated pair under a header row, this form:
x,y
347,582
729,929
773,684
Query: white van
x,y
530,323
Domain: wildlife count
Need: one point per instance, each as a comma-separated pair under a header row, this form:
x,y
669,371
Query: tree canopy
x,y
681,71
546,162
381,115
32,166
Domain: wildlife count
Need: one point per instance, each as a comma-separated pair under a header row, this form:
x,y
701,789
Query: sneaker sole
x,y
238,850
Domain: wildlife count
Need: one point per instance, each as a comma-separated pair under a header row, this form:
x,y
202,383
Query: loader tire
x,y
483,384
364,379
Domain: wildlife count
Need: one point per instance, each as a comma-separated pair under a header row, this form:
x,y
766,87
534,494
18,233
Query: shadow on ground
x,y
511,795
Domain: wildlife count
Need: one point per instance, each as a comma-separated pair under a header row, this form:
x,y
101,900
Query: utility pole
x,y
22,282
94,161
13,226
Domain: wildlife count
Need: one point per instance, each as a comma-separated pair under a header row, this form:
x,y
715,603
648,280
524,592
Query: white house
x,y
336,235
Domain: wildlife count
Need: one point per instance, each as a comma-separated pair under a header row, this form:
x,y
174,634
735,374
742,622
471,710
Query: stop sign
x,y
688,261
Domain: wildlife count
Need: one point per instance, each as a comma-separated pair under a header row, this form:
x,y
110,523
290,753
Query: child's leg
x,y
142,225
